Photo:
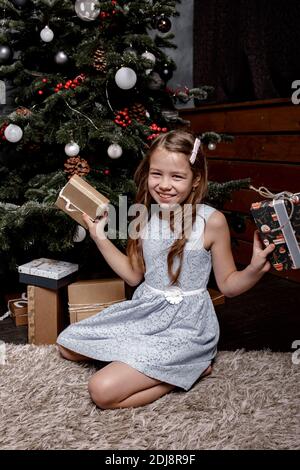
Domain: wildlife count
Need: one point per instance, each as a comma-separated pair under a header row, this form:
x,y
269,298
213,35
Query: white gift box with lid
x,y
46,272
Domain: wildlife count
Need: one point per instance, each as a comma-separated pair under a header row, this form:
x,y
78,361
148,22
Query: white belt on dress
x,y
174,295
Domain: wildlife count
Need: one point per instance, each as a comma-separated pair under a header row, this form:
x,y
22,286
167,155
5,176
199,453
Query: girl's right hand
x,y
97,227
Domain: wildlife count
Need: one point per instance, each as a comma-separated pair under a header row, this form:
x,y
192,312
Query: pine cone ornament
x,y
76,166
138,112
99,62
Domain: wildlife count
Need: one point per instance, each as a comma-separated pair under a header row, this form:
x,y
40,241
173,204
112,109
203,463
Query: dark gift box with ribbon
x,y
278,222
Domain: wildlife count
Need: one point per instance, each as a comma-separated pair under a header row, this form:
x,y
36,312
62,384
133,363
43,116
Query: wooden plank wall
x,y
266,148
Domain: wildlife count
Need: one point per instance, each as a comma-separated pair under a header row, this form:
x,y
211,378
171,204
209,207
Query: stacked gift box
x,y
46,281
48,297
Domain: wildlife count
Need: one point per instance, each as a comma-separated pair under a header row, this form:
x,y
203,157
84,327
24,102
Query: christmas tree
x,y
90,93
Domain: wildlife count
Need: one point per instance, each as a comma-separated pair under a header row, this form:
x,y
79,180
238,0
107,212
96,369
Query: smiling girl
x,y
167,335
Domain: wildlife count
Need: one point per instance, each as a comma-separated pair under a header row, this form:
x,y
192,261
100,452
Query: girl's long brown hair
x,y
178,141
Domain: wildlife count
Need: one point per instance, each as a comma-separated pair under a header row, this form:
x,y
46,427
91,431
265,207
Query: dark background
x,y
247,49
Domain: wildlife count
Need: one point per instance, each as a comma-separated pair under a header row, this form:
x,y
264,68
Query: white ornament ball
x,y
125,78
13,133
72,149
87,10
79,235
114,151
47,34
212,146
149,56
61,57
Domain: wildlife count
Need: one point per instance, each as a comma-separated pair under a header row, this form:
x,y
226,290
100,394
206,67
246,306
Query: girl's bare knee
x,y
101,392
70,355
62,350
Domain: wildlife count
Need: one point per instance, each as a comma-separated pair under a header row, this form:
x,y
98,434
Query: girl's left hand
x,y
259,260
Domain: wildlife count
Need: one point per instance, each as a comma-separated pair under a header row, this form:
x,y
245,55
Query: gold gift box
x,y
46,314
78,196
18,309
86,298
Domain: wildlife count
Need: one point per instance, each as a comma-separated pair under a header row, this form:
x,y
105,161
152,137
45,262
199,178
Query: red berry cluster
x,y
106,14
2,129
70,83
42,83
157,130
122,118
105,172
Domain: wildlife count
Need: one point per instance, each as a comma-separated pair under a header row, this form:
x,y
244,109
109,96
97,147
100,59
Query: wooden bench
x,y
216,296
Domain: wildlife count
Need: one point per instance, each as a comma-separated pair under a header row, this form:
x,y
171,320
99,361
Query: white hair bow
x,y
195,150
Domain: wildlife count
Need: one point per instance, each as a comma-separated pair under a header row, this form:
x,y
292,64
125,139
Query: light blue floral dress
x,y
169,334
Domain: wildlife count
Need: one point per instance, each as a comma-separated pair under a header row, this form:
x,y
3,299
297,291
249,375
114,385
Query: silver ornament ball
x,y
212,146
114,151
6,54
13,133
79,235
46,34
125,78
72,149
87,10
61,58
149,56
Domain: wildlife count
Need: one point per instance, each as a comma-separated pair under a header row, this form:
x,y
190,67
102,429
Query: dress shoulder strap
x,y
205,211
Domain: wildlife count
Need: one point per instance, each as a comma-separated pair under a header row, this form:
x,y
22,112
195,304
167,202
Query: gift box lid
x,y
96,291
49,268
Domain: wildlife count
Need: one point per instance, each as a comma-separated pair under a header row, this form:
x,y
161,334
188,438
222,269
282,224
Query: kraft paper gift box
x,y
278,222
86,298
78,196
47,314
48,273
18,309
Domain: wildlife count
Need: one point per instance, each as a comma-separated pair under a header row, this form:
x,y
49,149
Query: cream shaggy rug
x,y
251,401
